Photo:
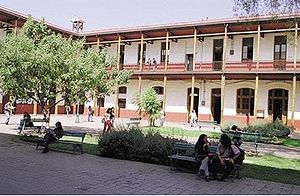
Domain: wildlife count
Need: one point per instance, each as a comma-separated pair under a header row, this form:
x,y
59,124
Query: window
x,y
122,90
245,101
163,52
159,90
280,48
122,103
122,54
247,53
139,53
217,54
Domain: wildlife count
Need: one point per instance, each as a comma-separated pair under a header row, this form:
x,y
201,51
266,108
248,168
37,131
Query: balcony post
x,y
224,49
222,97
295,46
167,50
294,99
258,49
255,96
194,52
117,87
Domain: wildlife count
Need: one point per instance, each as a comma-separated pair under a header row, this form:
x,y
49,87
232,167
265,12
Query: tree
x,y
39,64
149,104
244,8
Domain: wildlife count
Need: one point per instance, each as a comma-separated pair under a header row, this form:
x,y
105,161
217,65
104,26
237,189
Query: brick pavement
x,y
25,170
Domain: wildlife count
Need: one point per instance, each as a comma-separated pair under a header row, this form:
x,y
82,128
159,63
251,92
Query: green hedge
x,y
271,130
275,128
134,145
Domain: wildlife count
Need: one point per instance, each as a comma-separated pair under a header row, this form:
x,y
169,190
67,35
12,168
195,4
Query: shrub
x,y
134,145
275,128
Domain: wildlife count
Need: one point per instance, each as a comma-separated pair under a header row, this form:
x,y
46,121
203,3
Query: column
x,y
165,93
294,99
165,77
35,106
224,49
56,105
117,87
255,97
95,106
192,94
16,26
141,64
222,97
258,48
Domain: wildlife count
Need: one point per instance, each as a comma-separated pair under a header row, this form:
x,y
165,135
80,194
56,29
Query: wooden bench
x,y
77,146
203,123
134,121
246,136
25,121
186,152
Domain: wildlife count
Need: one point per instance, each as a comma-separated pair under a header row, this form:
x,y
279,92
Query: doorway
x,y
216,104
189,58
196,99
278,104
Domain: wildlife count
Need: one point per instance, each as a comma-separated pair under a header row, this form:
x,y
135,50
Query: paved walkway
x,y
25,170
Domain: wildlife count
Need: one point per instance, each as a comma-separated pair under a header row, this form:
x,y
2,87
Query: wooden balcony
x,y
243,66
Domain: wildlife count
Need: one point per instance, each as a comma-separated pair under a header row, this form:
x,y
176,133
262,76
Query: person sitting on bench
x,y
53,135
227,154
202,154
27,120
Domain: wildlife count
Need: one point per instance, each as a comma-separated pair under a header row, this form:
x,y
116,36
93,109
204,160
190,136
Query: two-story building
x,y
227,70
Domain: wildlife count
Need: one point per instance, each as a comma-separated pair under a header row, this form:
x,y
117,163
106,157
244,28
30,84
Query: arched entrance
x,y
278,104
216,104
196,99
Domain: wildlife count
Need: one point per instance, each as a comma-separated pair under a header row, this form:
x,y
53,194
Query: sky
x,y
107,14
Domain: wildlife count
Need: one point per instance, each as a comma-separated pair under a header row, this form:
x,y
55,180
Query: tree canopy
x,y
39,64
245,8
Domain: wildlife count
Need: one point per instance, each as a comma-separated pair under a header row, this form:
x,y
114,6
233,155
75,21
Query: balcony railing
x,y
217,66
279,64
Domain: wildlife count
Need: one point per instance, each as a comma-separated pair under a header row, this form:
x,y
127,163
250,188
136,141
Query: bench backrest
x,y
75,134
189,149
247,136
203,122
38,120
136,119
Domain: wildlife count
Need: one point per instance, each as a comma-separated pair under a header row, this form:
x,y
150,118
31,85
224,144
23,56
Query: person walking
x,y
193,119
107,121
7,111
90,114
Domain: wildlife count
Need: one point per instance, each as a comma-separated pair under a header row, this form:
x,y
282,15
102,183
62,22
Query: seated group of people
x,y
223,162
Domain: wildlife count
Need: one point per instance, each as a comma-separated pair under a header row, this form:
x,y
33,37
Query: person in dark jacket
x,y
202,152
53,135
